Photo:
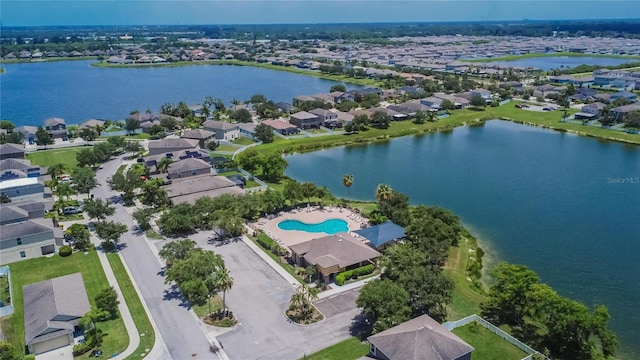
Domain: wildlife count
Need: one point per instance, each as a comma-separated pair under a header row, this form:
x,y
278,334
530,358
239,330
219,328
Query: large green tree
x,y
126,183
43,138
84,180
385,303
98,209
107,301
264,133
347,181
80,236
110,232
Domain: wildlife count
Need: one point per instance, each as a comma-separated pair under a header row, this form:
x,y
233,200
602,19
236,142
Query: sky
x,y
188,12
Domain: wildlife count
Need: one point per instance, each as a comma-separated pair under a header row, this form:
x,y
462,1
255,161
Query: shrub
x,y
354,273
65,251
81,349
340,279
30,357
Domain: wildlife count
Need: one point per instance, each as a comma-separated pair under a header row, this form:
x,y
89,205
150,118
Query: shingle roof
x,y
188,164
91,123
53,122
191,198
200,134
382,233
175,143
302,115
15,164
278,125
11,149
197,184
219,125
11,214
20,229
418,339
340,249
44,300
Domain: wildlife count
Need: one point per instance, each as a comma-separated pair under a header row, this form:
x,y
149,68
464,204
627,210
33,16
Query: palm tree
x,y
224,282
56,170
164,163
92,334
64,190
347,181
383,192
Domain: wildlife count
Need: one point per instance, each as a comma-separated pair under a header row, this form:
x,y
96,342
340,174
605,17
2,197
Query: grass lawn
x,y
153,235
350,349
288,268
44,268
65,156
316,131
121,169
488,346
243,141
226,148
465,301
133,302
203,310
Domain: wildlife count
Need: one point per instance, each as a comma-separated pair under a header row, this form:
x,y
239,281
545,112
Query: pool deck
x,y
310,215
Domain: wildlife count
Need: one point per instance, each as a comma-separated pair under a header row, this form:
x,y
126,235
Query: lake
x,y
566,206
554,62
76,91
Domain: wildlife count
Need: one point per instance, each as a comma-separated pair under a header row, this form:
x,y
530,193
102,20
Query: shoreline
x,y
540,55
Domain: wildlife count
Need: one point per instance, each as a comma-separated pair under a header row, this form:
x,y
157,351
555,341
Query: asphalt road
x,y
180,331
259,298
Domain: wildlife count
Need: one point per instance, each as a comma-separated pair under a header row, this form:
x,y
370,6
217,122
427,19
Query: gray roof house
x,y
329,118
333,254
11,151
224,130
52,309
29,132
305,120
203,136
191,189
171,145
92,123
21,238
418,339
188,167
56,128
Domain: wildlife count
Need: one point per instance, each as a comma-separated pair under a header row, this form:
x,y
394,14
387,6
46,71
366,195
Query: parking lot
x,y
259,298
338,304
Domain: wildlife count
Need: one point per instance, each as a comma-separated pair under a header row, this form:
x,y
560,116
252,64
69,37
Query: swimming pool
x,y
331,226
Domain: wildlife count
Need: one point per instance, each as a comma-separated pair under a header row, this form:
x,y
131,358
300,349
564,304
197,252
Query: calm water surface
x,y
554,62
76,91
566,206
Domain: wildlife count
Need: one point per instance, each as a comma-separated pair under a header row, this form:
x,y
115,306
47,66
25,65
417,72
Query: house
x,y
284,107
305,120
204,137
188,167
92,123
152,161
171,145
56,128
224,130
418,339
624,95
329,118
381,235
301,99
52,310
410,90
621,111
248,130
333,254
483,93
432,102
24,238
339,96
344,117
29,133
191,189
281,127
18,168
11,151
22,188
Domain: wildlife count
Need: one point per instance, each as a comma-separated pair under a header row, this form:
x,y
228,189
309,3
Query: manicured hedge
x,y
354,273
266,242
81,349
65,250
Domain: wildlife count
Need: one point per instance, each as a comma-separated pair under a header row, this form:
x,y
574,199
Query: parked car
x,y
70,210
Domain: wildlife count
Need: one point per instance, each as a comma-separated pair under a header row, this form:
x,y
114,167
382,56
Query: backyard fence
x,y
450,325
6,310
263,185
245,148
120,132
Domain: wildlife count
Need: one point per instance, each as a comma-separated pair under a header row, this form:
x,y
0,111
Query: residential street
x,y
181,333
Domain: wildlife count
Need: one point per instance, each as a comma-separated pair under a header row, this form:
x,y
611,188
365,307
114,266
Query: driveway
x,y
63,353
180,331
259,298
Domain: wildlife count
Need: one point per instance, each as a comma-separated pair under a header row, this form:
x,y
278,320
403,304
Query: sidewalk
x,y
335,289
